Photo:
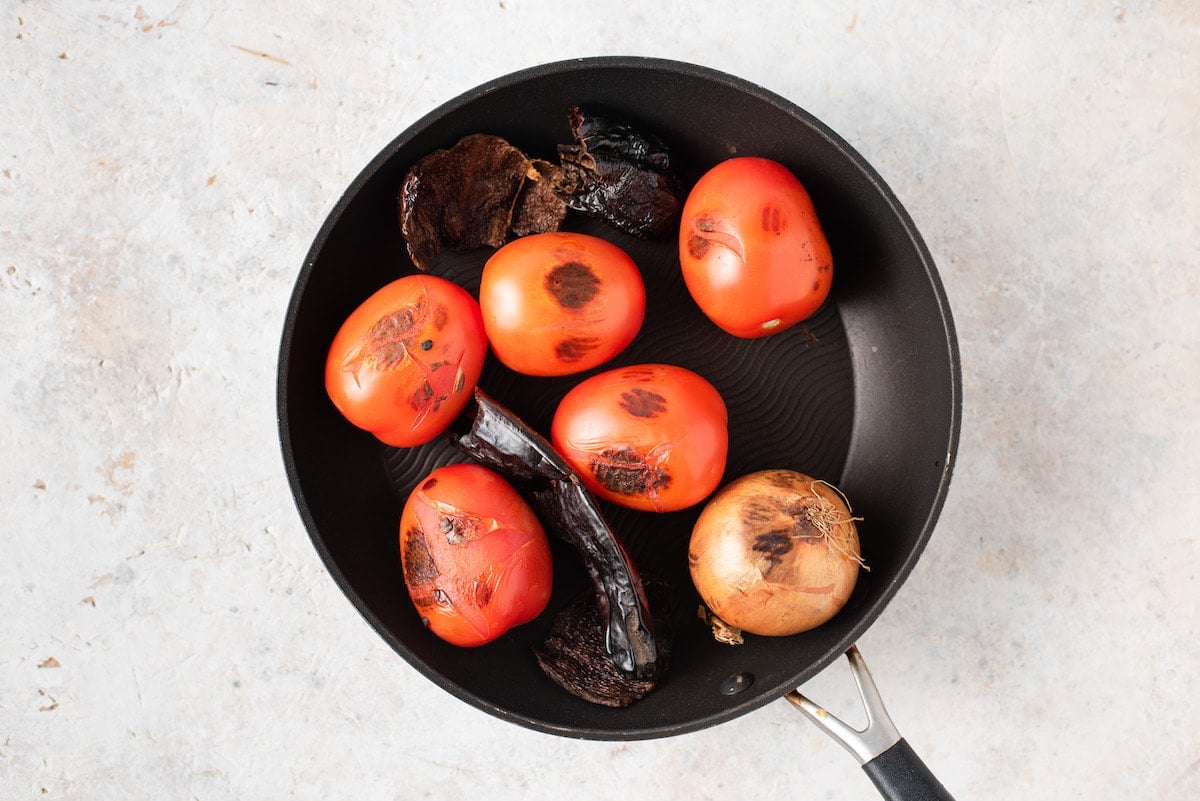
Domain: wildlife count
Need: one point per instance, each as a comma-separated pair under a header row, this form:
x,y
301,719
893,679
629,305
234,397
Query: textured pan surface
x,y
864,394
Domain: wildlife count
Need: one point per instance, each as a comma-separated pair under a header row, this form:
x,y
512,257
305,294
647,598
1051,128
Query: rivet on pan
x,y
736,683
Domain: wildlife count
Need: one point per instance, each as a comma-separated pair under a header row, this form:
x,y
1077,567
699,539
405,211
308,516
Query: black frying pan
x,y
865,394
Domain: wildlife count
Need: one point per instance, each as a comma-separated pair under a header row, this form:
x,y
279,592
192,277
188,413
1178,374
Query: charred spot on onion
x,y
784,479
773,545
760,509
483,593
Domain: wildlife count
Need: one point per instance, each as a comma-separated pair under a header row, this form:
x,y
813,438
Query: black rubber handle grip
x,y
900,775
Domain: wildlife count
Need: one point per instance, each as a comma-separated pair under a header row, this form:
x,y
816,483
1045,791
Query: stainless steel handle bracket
x,y
865,744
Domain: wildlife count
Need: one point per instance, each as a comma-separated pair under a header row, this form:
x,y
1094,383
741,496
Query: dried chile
x,y
624,630
540,206
573,654
620,174
464,197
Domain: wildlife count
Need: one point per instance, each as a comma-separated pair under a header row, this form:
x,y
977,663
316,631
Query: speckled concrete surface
x,y
169,632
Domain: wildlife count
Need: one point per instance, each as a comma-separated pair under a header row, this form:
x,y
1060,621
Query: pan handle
x,y
886,757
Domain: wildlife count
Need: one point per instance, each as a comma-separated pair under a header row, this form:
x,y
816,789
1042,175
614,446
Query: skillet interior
x,y
865,394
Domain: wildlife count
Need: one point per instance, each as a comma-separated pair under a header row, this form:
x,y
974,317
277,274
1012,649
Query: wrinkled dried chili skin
x,y
619,173
461,197
472,194
573,653
540,207
495,437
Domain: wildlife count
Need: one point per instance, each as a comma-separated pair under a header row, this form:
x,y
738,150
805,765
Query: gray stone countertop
x,y
168,629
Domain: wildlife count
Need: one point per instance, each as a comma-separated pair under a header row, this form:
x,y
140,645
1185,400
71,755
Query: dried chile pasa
x,y
604,647
483,190
619,173
467,196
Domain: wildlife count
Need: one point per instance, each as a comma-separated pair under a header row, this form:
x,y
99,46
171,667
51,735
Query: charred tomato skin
x,y
753,254
560,303
406,361
652,437
475,557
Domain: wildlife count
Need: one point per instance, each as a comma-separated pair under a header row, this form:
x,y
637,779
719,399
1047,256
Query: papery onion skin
x,y
775,553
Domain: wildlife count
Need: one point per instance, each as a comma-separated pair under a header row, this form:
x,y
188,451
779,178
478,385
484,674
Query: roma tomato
x,y
406,361
560,303
651,436
475,557
753,254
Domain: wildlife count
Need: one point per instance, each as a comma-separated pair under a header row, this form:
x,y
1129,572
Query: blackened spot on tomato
x,y
389,338
419,568
440,597
573,285
643,403
572,349
698,246
427,344
440,317
420,397
430,484
482,594
706,223
625,472
772,219
774,545
816,286
398,324
453,529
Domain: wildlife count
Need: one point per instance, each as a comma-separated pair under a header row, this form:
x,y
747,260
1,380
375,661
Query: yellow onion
x,y
775,553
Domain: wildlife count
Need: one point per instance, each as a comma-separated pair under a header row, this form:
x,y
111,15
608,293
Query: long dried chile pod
x,y
495,437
